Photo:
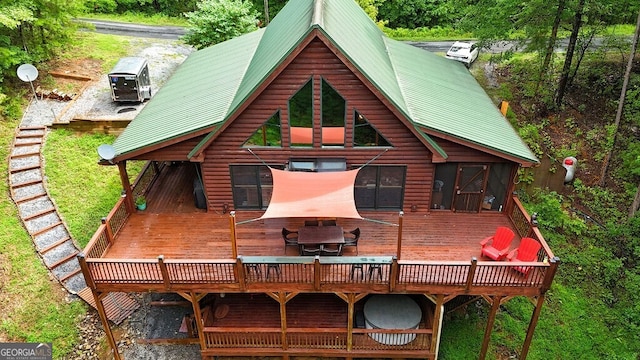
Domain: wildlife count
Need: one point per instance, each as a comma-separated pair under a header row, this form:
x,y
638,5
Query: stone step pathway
x,y
39,214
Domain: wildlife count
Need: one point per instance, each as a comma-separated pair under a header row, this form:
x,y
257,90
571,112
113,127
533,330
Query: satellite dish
x,y
27,72
106,152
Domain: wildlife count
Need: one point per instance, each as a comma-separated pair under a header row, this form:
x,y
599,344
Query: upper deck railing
x,y
319,274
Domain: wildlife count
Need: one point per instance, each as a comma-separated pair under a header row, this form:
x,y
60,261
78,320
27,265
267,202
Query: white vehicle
x,y
465,52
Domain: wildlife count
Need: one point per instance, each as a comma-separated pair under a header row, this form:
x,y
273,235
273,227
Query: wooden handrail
x,y
522,222
304,339
99,243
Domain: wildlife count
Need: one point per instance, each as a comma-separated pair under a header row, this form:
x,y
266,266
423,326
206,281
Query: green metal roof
x,y
431,91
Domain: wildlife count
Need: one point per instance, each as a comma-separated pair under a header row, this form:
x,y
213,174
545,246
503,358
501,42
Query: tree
x,y
31,31
417,13
218,20
539,22
370,7
573,39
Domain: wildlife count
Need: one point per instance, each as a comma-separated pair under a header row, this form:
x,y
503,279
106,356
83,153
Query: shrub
x,y
218,20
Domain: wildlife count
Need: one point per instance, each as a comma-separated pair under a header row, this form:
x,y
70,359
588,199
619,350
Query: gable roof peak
x,y
421,86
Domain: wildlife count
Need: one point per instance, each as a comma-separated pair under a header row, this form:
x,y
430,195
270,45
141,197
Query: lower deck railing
x,y
324,339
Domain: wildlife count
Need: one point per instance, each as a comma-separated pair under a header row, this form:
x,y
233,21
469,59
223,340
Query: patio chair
x,y
527,251
351,238
275,268
310,251
331,249
496,247
290,238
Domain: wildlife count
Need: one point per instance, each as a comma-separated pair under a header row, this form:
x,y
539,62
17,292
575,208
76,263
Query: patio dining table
x,y
315,236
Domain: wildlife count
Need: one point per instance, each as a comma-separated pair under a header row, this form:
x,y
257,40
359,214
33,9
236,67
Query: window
x,y
380,187
317,164
497,186
268,134
301,116
364,134
333,116
252,186
443,186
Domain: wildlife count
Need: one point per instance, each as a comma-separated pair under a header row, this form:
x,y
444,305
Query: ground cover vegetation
x,y
562,102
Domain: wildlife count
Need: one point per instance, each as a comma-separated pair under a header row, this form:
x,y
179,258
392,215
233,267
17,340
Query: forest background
x,y
564,102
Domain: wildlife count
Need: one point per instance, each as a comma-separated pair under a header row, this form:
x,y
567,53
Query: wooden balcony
x,y
315,324
172,246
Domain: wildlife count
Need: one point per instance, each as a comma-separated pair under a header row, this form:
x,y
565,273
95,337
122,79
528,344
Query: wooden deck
x,y
172,226
434,236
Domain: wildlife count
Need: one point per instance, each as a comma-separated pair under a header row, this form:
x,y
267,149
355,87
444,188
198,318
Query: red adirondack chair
x,y
526,252
496,247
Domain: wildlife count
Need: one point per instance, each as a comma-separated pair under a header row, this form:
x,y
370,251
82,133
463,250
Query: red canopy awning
x,y
312,194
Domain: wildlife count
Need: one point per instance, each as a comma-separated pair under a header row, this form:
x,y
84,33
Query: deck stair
x,y
49,233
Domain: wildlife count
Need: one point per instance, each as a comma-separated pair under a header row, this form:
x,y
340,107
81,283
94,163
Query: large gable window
x,y
364,134
301,116
268,134
333,116
380,187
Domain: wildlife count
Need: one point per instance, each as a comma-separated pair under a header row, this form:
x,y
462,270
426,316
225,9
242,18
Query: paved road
x,y
175,32
136,30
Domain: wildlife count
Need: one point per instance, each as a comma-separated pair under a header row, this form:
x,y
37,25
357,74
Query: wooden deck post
x,y
195,303
550,274
105,323
239,272
85,271
316,273
472,273
350,313
282,299
437,325
164,272
126,185
394,274
108,230
232,224
532,327
399,249
487,332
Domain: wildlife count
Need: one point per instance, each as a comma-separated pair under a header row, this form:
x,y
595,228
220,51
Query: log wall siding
x,y
175,152
461,153
317,62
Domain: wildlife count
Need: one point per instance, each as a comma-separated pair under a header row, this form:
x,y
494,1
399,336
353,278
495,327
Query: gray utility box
x,y
129,80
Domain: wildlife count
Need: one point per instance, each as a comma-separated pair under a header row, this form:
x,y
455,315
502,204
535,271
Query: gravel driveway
x,y
163,57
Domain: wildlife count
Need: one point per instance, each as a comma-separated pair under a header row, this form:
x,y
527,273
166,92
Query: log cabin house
x,y
236,143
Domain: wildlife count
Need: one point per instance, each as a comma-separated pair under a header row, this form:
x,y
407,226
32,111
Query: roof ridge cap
x,y
408,112
317,17
229,108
